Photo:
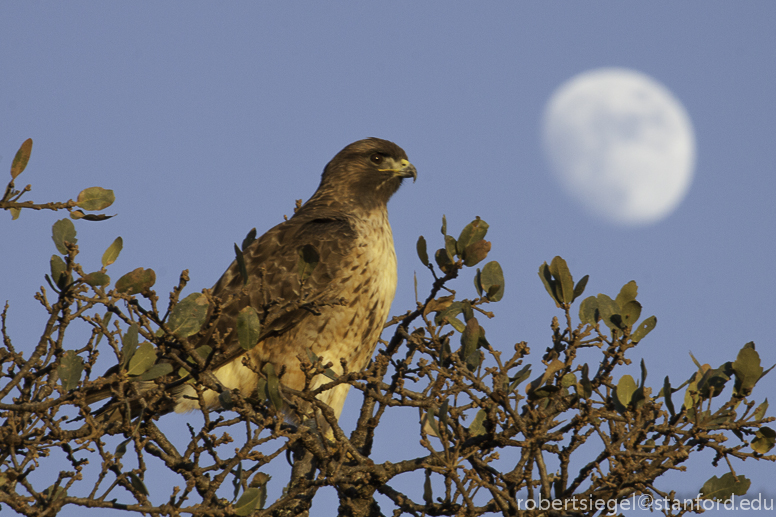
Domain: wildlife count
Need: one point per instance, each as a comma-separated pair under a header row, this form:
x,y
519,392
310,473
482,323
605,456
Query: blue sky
x,y
209,119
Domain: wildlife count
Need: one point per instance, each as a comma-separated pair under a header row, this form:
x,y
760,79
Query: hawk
x,y
339,310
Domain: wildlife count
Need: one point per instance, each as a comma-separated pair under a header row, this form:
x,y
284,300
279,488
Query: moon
x,y
621,144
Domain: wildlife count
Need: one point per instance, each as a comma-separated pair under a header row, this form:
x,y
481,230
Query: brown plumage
x,y
351,288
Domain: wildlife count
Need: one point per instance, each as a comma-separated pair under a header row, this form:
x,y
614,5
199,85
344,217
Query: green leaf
x,y
261,391
564,285
53,493
691,396
547,280
121,449
585,387
328,372
143,358
273,387
248,240
667,395
90,217
422,250
237,472
157,370
759,413
721,489
713,381
59,271
444,260
308,260
765,439
588,310
644,328
247,502
202,352
188,316
241,264
473,232
625,389
445,308
112,253
429,423
444,225
721,418
451,246
643,373
476,253
543,392
470,337
472,360
450,313
129,345
248,328
105,321
630,313
225,399
445,352
492,281
137,281
608,308
97,279
568,380
15,212
63,231
521,375
639,397
70,368
260,480
478,282
428,494
137,483
22,157
627,293
476,428
747,370
466,309
95,198
443,412
580,287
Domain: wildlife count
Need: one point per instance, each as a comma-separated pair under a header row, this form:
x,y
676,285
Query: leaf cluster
x,y
90,199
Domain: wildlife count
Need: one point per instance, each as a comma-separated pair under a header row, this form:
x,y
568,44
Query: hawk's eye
x,y
376,158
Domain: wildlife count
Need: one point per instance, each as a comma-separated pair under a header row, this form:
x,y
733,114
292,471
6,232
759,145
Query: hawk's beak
x,y
406,170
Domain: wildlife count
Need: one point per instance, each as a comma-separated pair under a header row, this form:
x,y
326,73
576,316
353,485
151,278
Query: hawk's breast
x,y
366,283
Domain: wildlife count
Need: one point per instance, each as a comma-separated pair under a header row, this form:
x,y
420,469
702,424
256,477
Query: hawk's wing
x,y
275,288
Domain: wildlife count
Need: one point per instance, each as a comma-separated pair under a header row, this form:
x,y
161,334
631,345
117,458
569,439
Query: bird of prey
x,y
339,310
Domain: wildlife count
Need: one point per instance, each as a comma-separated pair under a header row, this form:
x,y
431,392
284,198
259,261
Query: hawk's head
x,y
367,172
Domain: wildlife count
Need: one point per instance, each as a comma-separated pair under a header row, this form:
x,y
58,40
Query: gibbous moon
x,y
621,144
